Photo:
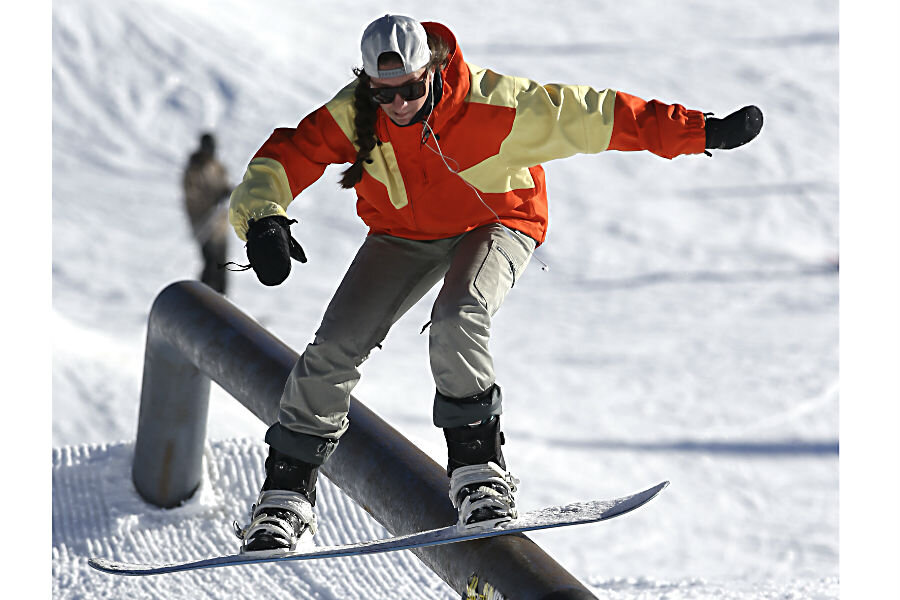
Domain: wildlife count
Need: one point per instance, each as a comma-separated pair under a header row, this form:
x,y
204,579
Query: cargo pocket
x,y
496,276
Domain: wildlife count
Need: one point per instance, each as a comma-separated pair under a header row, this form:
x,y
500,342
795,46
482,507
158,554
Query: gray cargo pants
x,y
387,277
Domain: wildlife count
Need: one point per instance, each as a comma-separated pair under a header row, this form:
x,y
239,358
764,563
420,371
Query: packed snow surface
x,y
685,330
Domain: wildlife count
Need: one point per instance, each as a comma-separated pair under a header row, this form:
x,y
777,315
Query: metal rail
x,y
195,335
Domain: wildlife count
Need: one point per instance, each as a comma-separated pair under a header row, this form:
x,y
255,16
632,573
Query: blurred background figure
x,y
206,191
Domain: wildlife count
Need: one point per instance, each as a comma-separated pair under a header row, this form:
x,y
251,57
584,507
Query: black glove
x,y
270,248
735,130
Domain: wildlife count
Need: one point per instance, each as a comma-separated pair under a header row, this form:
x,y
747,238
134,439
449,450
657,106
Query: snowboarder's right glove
x,y
270,248
735,130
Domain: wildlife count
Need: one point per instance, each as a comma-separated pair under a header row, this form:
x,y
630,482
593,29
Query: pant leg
x,y
387,277
485,266
214,251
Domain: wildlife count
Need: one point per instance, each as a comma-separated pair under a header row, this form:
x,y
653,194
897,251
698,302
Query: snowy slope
x,y
685,330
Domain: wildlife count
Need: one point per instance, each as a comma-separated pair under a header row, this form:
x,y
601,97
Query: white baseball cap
x,y
394,33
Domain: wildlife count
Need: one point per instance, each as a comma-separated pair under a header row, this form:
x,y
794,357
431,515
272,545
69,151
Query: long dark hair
x,y
367,112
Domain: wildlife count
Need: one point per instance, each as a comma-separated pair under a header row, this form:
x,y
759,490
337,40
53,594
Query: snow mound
x,y
97,512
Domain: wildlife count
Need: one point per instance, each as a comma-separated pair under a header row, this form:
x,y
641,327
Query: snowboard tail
x,y
556,516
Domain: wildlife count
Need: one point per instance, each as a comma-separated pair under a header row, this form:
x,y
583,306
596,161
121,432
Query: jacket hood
x,y
455,77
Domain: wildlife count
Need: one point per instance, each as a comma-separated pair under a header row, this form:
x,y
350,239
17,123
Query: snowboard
x,y
546,518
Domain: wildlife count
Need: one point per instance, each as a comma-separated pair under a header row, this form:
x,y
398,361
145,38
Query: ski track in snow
x,y
685,330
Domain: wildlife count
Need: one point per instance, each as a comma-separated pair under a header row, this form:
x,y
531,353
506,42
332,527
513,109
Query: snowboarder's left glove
x,y
735,130
270,248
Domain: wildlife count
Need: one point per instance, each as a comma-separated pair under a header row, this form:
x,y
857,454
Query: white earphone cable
x,y
444,159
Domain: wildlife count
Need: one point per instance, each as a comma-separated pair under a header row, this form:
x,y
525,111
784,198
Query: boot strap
x,y
489,487
263,518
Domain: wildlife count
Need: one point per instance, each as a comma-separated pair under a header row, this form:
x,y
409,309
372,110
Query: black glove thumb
x,y
270,248
297,252
735,130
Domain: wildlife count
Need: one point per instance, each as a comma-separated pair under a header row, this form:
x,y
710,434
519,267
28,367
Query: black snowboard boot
x,y
475,444
480,486
284,510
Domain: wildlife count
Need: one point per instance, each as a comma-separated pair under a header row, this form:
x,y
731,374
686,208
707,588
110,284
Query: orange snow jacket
x,y
493,130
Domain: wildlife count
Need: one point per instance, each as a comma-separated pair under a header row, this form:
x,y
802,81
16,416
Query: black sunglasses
x,y
408,91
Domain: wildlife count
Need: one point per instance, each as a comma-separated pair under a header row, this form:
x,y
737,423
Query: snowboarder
x,y
206,189
445,161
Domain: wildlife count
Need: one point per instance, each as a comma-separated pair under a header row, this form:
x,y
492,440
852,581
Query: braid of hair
x,y
364,123
367,113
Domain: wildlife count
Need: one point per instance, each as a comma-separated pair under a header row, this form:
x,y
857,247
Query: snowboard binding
x,y
483,495
481,488
283,513
278,520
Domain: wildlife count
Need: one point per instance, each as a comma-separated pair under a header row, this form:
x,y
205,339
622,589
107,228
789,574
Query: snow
x,y
687,328
112,520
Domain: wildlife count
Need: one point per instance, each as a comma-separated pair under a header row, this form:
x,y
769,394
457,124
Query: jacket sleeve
x,y
667,130
264,192
288,162
556,121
